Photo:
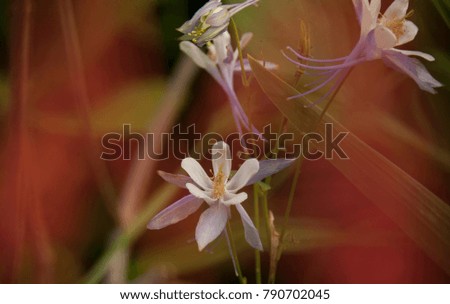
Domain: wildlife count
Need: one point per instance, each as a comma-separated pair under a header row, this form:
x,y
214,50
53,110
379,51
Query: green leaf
x,y
422,215
443,7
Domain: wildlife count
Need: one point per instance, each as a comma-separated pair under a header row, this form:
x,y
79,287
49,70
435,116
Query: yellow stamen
x,y
396,25
219,184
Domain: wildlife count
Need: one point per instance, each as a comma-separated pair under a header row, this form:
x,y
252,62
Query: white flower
x,y
393,29
221,62
380,35
211,20
219,192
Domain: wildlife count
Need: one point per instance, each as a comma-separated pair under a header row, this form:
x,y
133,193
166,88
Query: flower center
x,y
202,25
219,184
396,25
198,31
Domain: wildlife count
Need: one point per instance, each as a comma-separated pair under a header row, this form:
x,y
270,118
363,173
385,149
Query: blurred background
x,y
73,71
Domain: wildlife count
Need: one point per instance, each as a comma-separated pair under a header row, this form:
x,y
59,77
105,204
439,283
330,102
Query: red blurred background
x,y
73,71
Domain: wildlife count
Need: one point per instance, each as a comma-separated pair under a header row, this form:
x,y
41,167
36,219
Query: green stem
x,y
298,170
242,279
297,175
265,205
257,226
241,57
287,212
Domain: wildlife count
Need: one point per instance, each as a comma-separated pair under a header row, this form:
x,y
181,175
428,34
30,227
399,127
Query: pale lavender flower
x,y
380,35
221,62
220,193
211,20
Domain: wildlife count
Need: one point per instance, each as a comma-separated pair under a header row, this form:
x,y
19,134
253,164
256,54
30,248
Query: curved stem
x,y
316,60
317,88
287,212
77,74
236,106
298,170
241,58
20,94
257,226
233,251
346,64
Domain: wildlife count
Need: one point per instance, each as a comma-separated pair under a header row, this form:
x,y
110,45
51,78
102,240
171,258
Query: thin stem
x,y
265,205
241,58
242,279
339,86
298,171
299,55
346,64
287,212
78,79
130,234
257,226
265,202
21,75
323,84
141,171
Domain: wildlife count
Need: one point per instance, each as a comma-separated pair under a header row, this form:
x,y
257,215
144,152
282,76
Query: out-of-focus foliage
x,y
399,146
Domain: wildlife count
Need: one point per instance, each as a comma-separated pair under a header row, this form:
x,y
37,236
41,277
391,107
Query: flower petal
x,y
236,8
219,17
176,212
204,195
359,6
413,68
251,233
409,32
245,39
189,25
269,167
196,172
248,169
234,199
200,59
375,7
267,65
210,225
221,158
230,250
367,18
222,44
179,180
416,53
397,10
384,38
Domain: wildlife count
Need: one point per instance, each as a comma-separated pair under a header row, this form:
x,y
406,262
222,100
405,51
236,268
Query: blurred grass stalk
x,y
133,220
141,170
24,194
443,7
79,89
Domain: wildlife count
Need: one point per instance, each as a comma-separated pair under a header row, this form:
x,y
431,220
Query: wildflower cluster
x,y
380,35
207,42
